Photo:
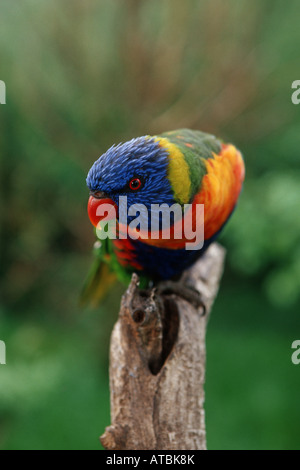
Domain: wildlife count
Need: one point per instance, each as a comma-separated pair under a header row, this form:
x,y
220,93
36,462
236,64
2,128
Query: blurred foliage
x,y
81,77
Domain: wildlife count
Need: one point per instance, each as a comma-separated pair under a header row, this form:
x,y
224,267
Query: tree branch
x,y
157,365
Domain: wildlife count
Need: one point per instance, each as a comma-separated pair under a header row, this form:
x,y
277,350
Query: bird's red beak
x,y
100,208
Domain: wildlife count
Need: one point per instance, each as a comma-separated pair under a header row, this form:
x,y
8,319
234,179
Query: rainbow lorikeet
x,y
178,167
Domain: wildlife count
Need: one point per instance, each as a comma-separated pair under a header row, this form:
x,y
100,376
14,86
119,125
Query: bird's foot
x,y
187,293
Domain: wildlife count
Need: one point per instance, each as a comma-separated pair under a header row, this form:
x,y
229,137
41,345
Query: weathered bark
x,y
157,365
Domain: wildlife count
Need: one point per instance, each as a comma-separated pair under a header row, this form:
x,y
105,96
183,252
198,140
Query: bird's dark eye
x,y
135,184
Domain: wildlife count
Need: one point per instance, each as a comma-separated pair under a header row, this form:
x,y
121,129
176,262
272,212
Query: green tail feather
x,y
98,284
100,278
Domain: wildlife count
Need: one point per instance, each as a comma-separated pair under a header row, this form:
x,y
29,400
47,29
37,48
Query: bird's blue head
x,y
137,169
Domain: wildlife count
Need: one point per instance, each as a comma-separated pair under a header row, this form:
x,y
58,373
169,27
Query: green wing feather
x,y
196,147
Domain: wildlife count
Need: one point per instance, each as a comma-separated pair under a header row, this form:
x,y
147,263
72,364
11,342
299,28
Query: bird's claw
x,y
187,293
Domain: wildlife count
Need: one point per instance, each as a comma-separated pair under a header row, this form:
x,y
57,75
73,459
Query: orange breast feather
x,y
220,188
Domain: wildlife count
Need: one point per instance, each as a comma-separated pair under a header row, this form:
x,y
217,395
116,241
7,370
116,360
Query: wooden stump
x,y
157,365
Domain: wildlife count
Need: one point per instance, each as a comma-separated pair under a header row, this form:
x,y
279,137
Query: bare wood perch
x,y
157,365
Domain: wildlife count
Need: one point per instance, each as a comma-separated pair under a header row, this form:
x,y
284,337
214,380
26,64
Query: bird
x,y
183,167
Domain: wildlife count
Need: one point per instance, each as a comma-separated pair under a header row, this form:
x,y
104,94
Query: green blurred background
x,y
81,76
